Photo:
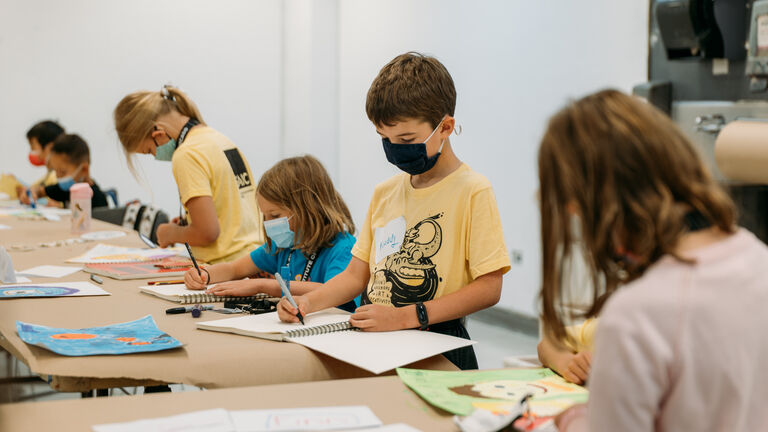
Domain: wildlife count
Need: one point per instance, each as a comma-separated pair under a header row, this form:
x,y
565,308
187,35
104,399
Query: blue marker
x,y
32,202
287,294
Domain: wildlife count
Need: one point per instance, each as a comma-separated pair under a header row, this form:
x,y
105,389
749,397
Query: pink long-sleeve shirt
x,y
685,347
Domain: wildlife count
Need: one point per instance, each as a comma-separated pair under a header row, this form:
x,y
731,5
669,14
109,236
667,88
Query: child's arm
x,y
573,367
482,293
342,288
261,285
202,231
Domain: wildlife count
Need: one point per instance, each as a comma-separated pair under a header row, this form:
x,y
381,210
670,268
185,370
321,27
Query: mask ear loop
x,y
457,130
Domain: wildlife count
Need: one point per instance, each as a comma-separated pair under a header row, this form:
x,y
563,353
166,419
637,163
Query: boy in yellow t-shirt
x,y
431,250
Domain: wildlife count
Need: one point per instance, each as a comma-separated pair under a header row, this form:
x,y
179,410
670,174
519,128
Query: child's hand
x,y
246,287
577,369
287,312
374,317
164,234
23,197
194,281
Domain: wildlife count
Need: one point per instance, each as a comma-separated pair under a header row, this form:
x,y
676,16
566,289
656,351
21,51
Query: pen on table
x,y
170,282
185,309
287,294
96,279
32,202
193,260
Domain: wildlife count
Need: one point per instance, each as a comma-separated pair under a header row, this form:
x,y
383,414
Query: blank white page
x,y
379,352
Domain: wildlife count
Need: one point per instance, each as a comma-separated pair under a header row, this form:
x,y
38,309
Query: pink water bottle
x,y
80,203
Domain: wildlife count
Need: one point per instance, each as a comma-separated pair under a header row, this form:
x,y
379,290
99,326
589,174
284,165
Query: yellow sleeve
x,y
193,174
362,248
486,249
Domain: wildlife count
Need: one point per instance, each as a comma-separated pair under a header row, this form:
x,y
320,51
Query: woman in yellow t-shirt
x,y
222,221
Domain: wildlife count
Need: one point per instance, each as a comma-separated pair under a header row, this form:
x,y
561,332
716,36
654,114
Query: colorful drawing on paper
x,y
61,289
137,336
36,291
103,253
496,390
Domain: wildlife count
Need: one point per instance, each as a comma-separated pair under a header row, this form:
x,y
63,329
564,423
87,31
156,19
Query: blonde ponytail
x,y
184,104
136,114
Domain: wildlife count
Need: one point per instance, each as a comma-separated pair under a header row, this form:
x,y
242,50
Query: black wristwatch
x,y
421,314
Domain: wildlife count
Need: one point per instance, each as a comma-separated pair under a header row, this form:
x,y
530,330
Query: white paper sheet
x,y
214,420
395,427
305,419
4,227
379,352
49,271
102,235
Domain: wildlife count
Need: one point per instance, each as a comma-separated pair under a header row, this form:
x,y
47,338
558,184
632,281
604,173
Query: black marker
x,y
193,260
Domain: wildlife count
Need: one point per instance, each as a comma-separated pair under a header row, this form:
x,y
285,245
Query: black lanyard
x,y
695,221
185,130
307,268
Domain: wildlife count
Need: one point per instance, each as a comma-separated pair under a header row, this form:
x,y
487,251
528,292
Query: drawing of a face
x,y
409,275
504,389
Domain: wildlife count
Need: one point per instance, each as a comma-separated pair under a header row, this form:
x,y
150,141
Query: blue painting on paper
x,y
137,336
36,291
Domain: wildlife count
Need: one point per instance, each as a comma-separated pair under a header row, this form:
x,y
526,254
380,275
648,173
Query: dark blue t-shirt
x,y
330,261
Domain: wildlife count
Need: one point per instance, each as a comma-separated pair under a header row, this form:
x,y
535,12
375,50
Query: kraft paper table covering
x,y
387,397
208,359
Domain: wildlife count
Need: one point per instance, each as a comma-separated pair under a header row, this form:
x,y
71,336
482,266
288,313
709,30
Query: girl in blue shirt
x,y
309,236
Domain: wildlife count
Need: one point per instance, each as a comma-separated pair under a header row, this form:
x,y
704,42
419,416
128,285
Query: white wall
x,y
290,77
74,60
514,63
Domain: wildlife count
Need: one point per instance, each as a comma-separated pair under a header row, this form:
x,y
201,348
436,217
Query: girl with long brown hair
x,y
681,341
309,235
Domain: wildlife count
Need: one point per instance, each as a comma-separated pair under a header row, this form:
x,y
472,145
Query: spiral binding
x,y
210,298
318,330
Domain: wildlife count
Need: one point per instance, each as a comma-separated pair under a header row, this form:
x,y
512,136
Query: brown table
x,y
208,359
389,399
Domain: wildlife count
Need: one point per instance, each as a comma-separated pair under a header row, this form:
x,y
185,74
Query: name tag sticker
x,y
388,239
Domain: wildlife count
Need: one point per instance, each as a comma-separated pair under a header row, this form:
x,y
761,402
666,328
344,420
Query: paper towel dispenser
x,y
757,60
702,28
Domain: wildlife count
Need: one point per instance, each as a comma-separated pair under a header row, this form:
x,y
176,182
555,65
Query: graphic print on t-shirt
x,y
409,275
238,167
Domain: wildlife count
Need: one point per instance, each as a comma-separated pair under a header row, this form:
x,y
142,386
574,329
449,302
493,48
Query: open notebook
x,y
330,333
178,293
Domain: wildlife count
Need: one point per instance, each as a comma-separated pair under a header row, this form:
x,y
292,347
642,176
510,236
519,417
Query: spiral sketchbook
x,y
178,293
330,333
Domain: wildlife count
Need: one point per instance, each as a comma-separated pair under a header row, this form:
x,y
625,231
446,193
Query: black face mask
x,y
411,158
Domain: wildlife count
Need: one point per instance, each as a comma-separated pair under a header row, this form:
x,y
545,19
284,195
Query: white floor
x,y
494,344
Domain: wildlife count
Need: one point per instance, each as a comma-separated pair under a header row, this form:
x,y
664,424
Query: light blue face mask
x,y
280,232
165,152
66,183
